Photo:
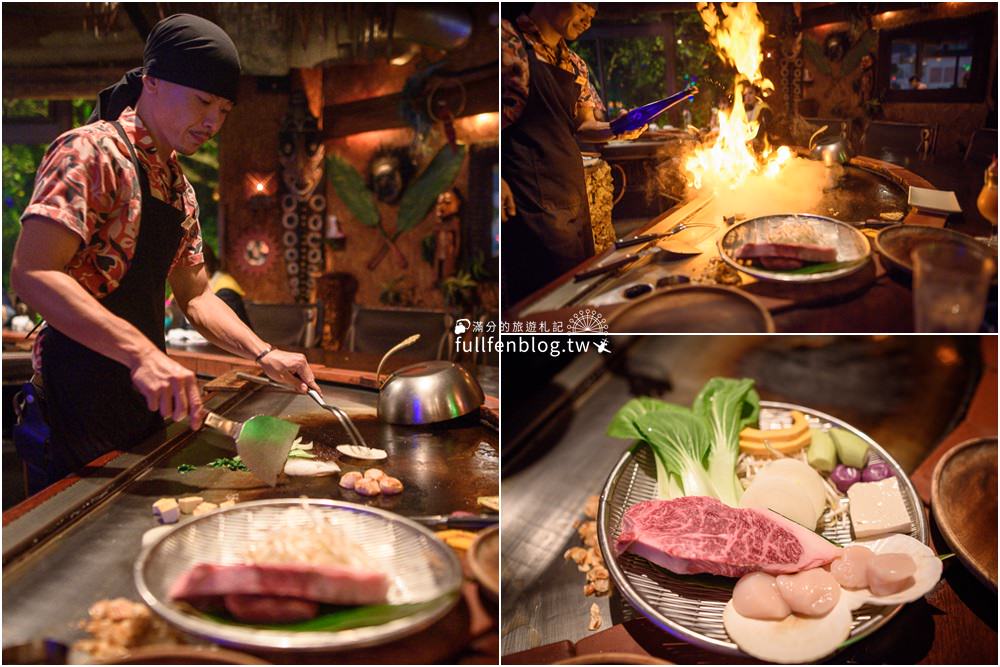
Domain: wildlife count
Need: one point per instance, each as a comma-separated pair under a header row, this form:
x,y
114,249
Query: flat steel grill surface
x,y
690,606
443,467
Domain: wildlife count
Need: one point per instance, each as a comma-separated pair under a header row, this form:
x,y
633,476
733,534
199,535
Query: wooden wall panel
x,y
248,143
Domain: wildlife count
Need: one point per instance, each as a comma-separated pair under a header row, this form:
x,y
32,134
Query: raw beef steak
x,y
702,535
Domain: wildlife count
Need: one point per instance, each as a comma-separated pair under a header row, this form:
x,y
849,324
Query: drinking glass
x,y
950,281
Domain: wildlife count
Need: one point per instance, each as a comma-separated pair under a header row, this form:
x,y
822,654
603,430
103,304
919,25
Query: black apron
x,y
551,232
91,405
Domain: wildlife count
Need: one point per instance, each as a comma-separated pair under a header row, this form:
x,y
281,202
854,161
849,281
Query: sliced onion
x,y
365,453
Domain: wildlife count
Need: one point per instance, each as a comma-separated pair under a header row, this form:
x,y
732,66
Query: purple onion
x,y
876,472
843,477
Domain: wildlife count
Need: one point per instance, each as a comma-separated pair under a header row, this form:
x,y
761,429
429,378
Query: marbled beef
x,y
799,253
702,535
207,582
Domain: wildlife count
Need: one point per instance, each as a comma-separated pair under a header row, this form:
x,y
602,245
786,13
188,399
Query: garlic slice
x,y
365,453
298,467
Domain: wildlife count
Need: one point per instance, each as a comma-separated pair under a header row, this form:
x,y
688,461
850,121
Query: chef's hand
x,y
507,208
290,368
169,388
629,136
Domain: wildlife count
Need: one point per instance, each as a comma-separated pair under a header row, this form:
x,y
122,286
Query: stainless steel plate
x,y
895,244
852,246
690,607
693,309
420,568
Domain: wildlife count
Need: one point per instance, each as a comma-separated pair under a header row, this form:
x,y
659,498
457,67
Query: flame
x,y
731,158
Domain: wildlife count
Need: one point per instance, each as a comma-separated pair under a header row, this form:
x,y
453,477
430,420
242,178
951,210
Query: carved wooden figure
x,y
449,234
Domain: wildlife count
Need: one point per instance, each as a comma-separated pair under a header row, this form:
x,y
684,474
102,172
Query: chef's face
x,y
572,19
186,117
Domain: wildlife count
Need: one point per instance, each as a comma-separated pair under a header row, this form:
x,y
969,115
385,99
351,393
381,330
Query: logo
x,y
588,321
461,326
603,348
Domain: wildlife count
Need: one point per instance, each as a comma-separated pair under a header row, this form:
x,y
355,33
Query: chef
x,y
547,104
113,219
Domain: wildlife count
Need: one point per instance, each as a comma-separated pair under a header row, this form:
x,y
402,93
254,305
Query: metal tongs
x,y
345,419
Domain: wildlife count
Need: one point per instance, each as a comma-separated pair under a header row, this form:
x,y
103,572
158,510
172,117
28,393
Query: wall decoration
x,y
835,46
360,201
416,202
443,110
254,250
448,237
389,172
839,60
303,205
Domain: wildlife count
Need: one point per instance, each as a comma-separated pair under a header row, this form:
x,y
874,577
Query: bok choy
x,y
696,448
728,406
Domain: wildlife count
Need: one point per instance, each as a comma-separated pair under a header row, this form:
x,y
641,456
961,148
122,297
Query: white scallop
x,y
359,452
795,639
926,577
296,467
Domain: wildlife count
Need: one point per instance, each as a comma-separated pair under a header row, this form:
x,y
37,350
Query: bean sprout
x,y
320,543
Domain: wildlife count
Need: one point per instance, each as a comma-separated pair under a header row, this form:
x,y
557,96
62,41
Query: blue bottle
x,y
640,116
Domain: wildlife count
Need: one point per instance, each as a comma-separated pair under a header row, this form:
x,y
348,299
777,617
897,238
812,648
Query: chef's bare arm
x,y
593,131
217,322
38,275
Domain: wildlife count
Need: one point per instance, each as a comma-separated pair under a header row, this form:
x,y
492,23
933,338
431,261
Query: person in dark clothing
x,y
111,220
547,104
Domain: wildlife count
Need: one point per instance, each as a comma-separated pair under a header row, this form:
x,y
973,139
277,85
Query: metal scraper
x,y
262,442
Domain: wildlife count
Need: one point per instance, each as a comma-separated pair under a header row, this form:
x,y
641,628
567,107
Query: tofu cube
x,y
167,510
877,508
204,508
189,503
227,503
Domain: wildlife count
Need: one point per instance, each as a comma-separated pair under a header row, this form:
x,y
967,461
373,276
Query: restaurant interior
x,y
350,200
879,118
823,170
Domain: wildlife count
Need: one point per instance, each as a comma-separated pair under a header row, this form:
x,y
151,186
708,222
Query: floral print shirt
x,y
514,68
88,184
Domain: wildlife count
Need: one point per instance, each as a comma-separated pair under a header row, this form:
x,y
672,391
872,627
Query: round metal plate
x,y
693,309
420,567
852,246
690,607
896,243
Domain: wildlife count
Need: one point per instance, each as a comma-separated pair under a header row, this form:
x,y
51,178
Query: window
x,y
931,65
942,61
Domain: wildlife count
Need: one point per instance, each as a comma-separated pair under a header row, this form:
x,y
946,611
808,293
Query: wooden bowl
x,y
613,658
175,654
964,504
484,560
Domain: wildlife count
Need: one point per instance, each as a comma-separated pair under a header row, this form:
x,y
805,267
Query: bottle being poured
x,y
643,115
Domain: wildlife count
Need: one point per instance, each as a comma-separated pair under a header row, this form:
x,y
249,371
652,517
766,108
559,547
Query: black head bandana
x,y
183,49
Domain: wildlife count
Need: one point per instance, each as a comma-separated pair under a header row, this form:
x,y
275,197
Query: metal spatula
x,y
345,419
262,442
